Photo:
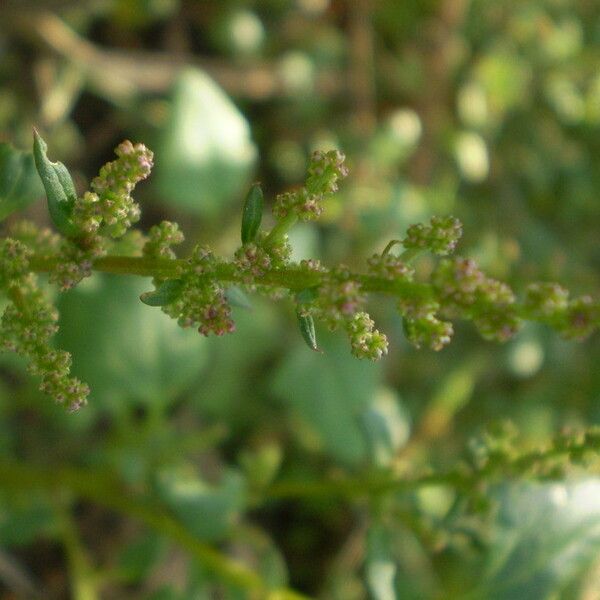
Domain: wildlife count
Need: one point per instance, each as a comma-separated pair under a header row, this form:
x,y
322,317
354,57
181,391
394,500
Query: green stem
x,y
461,479
104,490
83,585
410,254
389,246
293,278
281,228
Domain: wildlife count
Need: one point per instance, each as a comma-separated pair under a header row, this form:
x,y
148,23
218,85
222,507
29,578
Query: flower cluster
x,y
428,331
440,236
161,238
465,291
28,324
581,318
546,299
324,171
109,204
14,260
199,292
312,265
338,298
366,341
421,325
388,266
252,260
200,301
575,318
262,254
75,263
42,241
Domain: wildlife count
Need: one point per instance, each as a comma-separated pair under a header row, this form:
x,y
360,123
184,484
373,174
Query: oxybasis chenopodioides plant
x,y
198,290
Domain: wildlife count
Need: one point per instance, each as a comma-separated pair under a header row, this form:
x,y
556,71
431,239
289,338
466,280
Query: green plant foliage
x,y
548,534
330,393
19,183
59,186
205,151
209,511
252,213
128,359
429,224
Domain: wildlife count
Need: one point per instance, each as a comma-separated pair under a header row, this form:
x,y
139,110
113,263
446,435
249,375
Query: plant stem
x,y
292,278
83,586
281,228
460,478
103,489
410,254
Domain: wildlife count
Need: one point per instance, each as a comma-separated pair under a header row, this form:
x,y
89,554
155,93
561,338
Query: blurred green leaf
x,y
24,517
19,181
330,392
139,556
381,564
208,510
387,425
205,155
123,349
547,534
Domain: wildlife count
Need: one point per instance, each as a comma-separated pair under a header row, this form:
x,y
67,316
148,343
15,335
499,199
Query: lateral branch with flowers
x,y
198,291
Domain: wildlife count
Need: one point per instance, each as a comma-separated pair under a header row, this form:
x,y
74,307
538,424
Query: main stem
x,y
292,278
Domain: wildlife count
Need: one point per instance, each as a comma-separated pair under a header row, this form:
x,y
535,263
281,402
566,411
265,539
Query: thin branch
x,y
123,74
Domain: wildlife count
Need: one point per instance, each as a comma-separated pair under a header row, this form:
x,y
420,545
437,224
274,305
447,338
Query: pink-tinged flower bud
x,y
440,236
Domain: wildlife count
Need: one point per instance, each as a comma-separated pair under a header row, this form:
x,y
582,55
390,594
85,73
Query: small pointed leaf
x,y
167,292
252,213
59,187
307,329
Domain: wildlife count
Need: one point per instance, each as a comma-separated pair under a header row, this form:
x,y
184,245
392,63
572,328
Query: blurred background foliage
x,y
485,109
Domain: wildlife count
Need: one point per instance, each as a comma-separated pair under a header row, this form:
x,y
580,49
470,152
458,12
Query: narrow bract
x,y
252,213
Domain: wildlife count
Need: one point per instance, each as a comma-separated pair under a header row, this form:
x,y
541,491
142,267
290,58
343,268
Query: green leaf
x,y
204,155
164,294
328,394
547,536
140,556
24,517
381,563
386,423
252,213
125,351
207,510
307,329
59,187
19,183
